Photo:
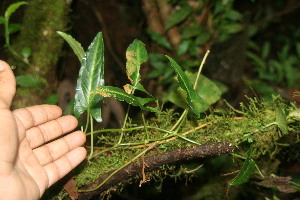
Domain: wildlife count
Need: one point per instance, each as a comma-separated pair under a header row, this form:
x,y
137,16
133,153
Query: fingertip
x,y
7,85
3,65
83,136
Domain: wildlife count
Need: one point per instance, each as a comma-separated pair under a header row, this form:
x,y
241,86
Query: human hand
x,y
30,161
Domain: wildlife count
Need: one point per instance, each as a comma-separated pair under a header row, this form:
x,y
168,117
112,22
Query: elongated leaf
x,y
91,76
12,8
136,54
178,16
13,28
121,95
159,39
281,120
206,89
246,171
76,46
193,99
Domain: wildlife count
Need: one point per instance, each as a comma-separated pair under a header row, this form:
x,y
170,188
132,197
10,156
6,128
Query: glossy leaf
x,y
193,99
12,8
178,16
281,120
91,76
76,46
246,171
121,95
136,54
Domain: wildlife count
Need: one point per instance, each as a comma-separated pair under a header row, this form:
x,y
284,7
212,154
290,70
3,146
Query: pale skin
x,y
30,160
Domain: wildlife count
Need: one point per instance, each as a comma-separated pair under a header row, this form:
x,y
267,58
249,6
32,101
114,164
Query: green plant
x,y
275,71
26,80
168,131
10,28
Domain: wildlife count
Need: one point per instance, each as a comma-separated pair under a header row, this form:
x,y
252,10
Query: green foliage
x,y
10,28
121,95
52,99
275,71
76,46
207,90
136,54
247,170
281,120
178,16
91,76
193,99
159,39
28,81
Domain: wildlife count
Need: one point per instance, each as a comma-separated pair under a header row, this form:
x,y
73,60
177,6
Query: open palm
x,y
30,159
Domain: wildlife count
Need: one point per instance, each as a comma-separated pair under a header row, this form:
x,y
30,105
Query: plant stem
x,y
180,119
124,125
200,69
183,115
92,138
87,121
113,173
147,134
130,129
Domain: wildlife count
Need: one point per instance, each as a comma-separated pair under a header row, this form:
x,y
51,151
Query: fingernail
x,y
2,68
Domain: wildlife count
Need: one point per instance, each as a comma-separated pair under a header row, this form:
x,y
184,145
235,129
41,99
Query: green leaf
x,y
246,171
202,38
52,99
193,99
121,95
27,81
183,47
12,8
136,54
76,46
233,15
206,89
26,52
159,39
2,20
91,76
13,28
140,87
281,120
178,16
231,28
266,50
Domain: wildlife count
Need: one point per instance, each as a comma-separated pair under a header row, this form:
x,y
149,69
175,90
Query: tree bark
x,y
41,21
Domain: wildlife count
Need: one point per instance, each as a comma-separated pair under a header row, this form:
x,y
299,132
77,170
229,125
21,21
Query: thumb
x,y
7,85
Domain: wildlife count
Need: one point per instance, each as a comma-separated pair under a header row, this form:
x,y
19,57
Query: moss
x,y
257,125
41,21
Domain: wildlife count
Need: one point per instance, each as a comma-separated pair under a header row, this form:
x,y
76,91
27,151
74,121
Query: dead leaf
x,y
281,183
71,188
